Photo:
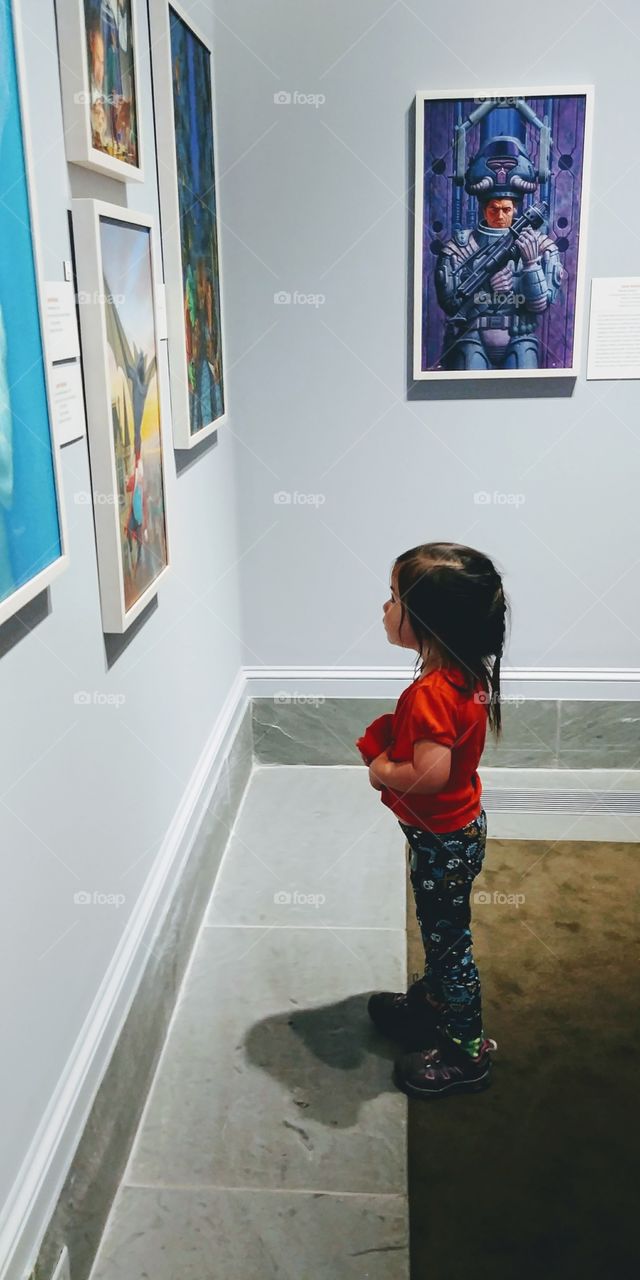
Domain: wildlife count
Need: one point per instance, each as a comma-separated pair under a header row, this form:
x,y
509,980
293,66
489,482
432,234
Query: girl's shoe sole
x,y
459,1086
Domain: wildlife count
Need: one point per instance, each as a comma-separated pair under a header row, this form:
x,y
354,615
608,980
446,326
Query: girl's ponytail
x,y
495,645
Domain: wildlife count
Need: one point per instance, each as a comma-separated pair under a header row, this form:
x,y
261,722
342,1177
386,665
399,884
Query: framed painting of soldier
x,y
99,75
501,185
117,302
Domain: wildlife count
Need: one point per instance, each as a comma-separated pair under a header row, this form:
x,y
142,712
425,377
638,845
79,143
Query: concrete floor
x,y
273,1142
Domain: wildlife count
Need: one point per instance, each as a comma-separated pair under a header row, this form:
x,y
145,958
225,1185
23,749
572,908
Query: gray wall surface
x,y
321,197
89,791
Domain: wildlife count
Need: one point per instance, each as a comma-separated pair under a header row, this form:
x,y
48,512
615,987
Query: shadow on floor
x,y
536,1177
340,1035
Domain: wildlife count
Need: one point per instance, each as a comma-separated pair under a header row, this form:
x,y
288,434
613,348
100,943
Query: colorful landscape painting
x,y
112,88
135,407
192,102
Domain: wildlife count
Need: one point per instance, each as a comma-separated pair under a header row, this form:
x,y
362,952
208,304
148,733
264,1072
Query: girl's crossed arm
x,y
427,774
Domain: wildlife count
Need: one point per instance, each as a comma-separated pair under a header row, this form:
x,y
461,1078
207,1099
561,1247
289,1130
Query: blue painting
x,y
30,535
192,105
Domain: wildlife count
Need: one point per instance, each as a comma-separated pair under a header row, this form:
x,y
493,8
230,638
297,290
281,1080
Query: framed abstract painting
x,y
501,192
183,102
99,75
32,526
117,301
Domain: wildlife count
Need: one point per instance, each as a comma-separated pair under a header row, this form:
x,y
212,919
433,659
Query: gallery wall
x,y
90,785
321,198
285,524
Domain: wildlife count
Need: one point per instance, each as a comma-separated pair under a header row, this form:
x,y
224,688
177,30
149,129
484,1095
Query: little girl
x,y
447,602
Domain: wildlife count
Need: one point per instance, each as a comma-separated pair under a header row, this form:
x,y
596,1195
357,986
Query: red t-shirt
x,y
432,708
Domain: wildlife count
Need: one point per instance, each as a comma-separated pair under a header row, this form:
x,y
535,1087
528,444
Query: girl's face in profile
x,y
391,618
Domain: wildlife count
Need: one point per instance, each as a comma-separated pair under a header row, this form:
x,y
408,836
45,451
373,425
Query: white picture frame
x,y
183,407
109,491
570,370
41,580
77,93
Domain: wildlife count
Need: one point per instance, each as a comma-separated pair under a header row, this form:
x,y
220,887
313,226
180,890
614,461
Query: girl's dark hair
x,y
455,602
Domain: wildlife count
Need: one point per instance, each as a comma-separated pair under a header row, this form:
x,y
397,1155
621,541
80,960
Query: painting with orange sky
x,y
135,407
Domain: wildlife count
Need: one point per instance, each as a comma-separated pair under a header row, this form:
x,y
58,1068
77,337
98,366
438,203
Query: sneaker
x,y
434,1072
408,1017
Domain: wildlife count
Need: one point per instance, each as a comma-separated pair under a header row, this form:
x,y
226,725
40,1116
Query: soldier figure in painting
x,y
494,280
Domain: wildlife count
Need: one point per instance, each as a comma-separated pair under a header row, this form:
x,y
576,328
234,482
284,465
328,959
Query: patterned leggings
x,y
443,868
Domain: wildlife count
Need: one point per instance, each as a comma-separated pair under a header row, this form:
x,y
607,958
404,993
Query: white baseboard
x,y
37,1187
600,684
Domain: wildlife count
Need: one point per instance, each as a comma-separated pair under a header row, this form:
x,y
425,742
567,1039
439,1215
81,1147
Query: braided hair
x,y
456,605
